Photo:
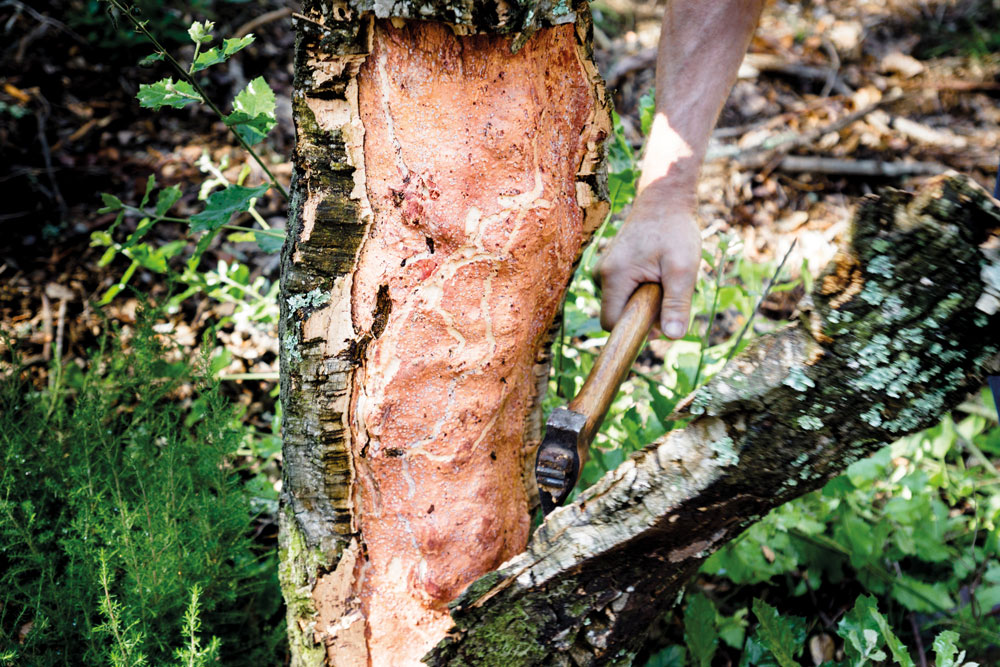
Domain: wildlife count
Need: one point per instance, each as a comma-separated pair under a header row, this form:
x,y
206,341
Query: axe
x,y
569,430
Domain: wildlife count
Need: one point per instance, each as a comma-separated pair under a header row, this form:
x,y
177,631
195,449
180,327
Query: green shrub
x,y
123,523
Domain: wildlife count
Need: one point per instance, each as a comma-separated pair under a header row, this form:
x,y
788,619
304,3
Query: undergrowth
x,y
124,527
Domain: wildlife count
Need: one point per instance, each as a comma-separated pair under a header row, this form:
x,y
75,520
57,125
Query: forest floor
x,y
835,100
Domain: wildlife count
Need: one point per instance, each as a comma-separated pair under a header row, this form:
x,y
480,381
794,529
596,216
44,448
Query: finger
x,y
613,298
678,287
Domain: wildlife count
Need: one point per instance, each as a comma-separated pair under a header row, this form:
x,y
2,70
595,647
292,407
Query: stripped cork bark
x,y
446,182
429,247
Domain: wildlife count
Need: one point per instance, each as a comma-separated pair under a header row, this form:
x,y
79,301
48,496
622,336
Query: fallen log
x,y
895,334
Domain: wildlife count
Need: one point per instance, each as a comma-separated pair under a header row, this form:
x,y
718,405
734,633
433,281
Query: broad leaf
x,y
223,204
220,54
860,633
699,630
167,93
253,111
111,203
167,198
776,633
269,243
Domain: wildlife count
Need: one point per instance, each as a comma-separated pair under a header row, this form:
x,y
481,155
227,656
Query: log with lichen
x,y
897,330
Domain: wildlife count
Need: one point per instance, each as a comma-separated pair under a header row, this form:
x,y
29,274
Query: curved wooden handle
x,y
616,358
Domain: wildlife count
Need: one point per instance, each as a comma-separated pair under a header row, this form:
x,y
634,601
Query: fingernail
x,y
674,329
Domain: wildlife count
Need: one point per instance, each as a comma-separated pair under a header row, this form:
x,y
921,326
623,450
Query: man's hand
x,y
701,47
659,243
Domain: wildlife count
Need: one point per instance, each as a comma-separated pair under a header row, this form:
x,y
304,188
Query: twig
x,y
759,62
269,376
60,328
644,59
834,74
47,327
262,20
759,154
833,165
971,408
756,308
40,118
917,640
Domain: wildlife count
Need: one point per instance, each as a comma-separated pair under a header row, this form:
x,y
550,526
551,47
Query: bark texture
x,y
445,185
899,328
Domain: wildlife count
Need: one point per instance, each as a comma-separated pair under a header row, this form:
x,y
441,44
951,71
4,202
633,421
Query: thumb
x,y
678,287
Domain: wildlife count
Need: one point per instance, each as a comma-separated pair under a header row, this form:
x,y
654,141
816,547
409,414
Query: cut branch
x,y
893,336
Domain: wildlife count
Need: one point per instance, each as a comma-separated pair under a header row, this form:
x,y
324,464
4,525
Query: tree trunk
x,y
444,188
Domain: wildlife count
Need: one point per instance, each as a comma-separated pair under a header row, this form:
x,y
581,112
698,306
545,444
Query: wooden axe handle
x,y
615,360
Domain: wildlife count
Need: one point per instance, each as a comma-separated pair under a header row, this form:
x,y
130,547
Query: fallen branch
x,y
818,164
891,338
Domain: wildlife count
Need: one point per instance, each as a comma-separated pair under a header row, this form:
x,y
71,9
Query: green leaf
x,y
945,649
647,109
699,630
167,198
111,203
269,243
776,633
860,632
217,54
223,204
150,186
167,93
149,60
732,629
201,33
672,656
920,596
896,647
253,111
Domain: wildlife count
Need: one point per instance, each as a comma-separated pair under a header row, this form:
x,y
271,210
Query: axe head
x,y
557,467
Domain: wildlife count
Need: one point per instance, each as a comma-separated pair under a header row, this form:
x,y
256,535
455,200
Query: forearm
x,y
702,44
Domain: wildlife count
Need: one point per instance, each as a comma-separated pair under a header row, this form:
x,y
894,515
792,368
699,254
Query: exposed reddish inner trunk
x,y
471,158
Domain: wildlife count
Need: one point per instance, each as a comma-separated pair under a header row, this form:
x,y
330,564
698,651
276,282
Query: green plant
x,y
251,119
122,518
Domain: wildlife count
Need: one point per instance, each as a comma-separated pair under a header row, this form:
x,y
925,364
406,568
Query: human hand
x,y
660,242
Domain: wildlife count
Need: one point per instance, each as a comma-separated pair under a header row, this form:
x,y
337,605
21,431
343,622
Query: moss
x,y
290,345
880,245
700,401
297,567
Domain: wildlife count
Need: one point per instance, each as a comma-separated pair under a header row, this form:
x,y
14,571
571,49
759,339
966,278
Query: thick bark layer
x,y
444,189
895,333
